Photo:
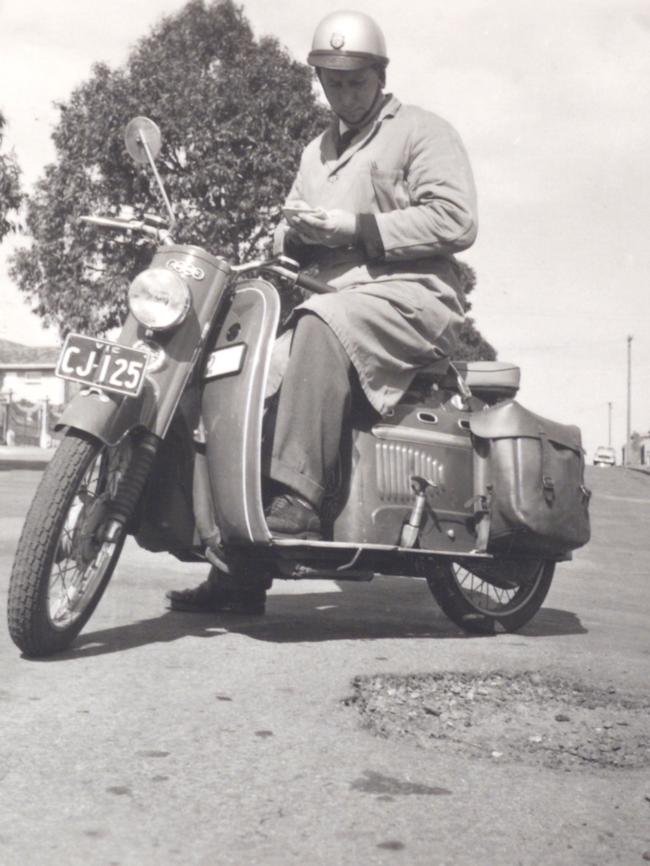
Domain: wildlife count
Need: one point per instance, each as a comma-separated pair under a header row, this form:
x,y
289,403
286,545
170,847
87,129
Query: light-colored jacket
x,y
400,313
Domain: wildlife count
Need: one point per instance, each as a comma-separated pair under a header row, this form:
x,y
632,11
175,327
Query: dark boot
x,y
291,516
220,593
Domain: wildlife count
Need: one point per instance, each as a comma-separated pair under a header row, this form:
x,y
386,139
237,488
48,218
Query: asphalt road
x,y
164,738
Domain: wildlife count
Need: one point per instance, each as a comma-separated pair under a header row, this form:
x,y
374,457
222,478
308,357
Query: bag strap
x,y
482,502
548,484
483,515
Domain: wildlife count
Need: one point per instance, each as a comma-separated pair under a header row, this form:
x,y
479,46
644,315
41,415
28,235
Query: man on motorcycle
x,y
381,202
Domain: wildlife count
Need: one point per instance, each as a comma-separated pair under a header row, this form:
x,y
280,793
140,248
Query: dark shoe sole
x,y
235,609
235,606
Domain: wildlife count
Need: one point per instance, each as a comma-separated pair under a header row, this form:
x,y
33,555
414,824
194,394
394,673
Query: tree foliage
x,y
472,346
10,196
234,113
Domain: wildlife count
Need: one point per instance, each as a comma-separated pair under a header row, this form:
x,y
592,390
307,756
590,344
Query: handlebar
x,y
288,269
160,235
311,284
282,266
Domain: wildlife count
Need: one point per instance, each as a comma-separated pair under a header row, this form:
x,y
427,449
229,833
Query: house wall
x,y
34,385
644,448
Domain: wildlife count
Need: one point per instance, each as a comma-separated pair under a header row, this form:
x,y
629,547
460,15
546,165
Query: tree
x,y
234,114
472,346
10,195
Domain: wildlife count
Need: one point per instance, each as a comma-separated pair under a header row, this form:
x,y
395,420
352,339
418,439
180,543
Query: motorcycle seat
x,y
494,377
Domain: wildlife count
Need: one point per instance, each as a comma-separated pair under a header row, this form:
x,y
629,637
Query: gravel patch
x,y
530,717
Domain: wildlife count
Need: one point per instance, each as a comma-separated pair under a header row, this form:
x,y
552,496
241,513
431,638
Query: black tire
x,y
63,563
482,596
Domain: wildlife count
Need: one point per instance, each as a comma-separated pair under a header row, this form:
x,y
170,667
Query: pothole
x,y
530,717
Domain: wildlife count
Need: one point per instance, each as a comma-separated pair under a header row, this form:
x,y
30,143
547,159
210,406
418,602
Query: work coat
x,y
400,312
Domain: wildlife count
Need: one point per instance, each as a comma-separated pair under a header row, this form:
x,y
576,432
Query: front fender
x,y
110,416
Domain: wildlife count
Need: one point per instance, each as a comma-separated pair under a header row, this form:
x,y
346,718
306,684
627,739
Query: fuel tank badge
x,y
185,269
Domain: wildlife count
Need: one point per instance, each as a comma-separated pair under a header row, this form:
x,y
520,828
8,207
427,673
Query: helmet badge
x,y
337,40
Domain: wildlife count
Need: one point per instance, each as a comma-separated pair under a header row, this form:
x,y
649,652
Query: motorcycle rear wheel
x,y
483,597
63,563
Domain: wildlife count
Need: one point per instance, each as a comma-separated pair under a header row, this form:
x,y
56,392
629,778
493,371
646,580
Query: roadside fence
x,y
25,423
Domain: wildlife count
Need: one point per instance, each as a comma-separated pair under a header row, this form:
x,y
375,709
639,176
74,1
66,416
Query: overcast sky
x,y
552,101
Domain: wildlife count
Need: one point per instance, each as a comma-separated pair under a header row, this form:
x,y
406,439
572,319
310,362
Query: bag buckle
x,y
548,487
481,502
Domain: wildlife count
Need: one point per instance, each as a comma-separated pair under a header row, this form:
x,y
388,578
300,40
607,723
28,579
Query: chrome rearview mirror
x,y
143,142
142,135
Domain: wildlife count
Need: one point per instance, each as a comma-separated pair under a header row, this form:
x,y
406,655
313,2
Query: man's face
x,y
351,92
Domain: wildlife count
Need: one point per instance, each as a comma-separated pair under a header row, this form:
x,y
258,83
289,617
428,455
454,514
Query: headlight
x,y
159,298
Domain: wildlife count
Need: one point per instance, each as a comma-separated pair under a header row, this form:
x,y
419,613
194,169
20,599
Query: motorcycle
x,y
163,441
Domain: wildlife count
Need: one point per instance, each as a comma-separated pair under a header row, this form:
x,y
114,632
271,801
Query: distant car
x,y
605,456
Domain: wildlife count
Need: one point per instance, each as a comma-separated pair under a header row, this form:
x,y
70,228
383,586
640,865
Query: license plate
x,y
102,364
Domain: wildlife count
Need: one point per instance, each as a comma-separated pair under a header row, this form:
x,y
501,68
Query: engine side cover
x,y
429,440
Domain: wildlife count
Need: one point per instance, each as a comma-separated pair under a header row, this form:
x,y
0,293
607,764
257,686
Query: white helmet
x,y
347,40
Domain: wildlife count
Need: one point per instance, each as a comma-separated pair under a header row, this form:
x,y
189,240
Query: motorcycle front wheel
x,y
482,597
65,557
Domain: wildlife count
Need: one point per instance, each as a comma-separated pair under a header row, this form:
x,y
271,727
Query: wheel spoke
x,y
487,594
80,561
484,595
62,564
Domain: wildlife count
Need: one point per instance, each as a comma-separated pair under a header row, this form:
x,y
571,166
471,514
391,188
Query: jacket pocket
x,y
390,189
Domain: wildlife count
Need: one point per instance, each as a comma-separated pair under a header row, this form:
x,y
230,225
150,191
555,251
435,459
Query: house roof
x,y
44,366
16,356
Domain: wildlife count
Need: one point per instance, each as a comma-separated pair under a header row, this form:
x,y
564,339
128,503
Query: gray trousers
x,y
314,410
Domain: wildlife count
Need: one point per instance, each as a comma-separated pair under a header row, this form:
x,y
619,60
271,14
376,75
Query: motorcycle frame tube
x,y
233,410
109,417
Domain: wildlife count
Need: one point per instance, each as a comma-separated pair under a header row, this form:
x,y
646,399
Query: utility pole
x,y
628,438
609,424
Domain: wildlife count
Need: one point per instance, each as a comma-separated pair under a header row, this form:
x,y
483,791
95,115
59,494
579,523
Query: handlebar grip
x,y
127,225
106,222
313,285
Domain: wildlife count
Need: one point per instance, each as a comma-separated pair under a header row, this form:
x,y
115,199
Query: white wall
x,y
33,385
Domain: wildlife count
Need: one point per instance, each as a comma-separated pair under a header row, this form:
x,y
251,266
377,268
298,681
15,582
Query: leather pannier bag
x,y
530,495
